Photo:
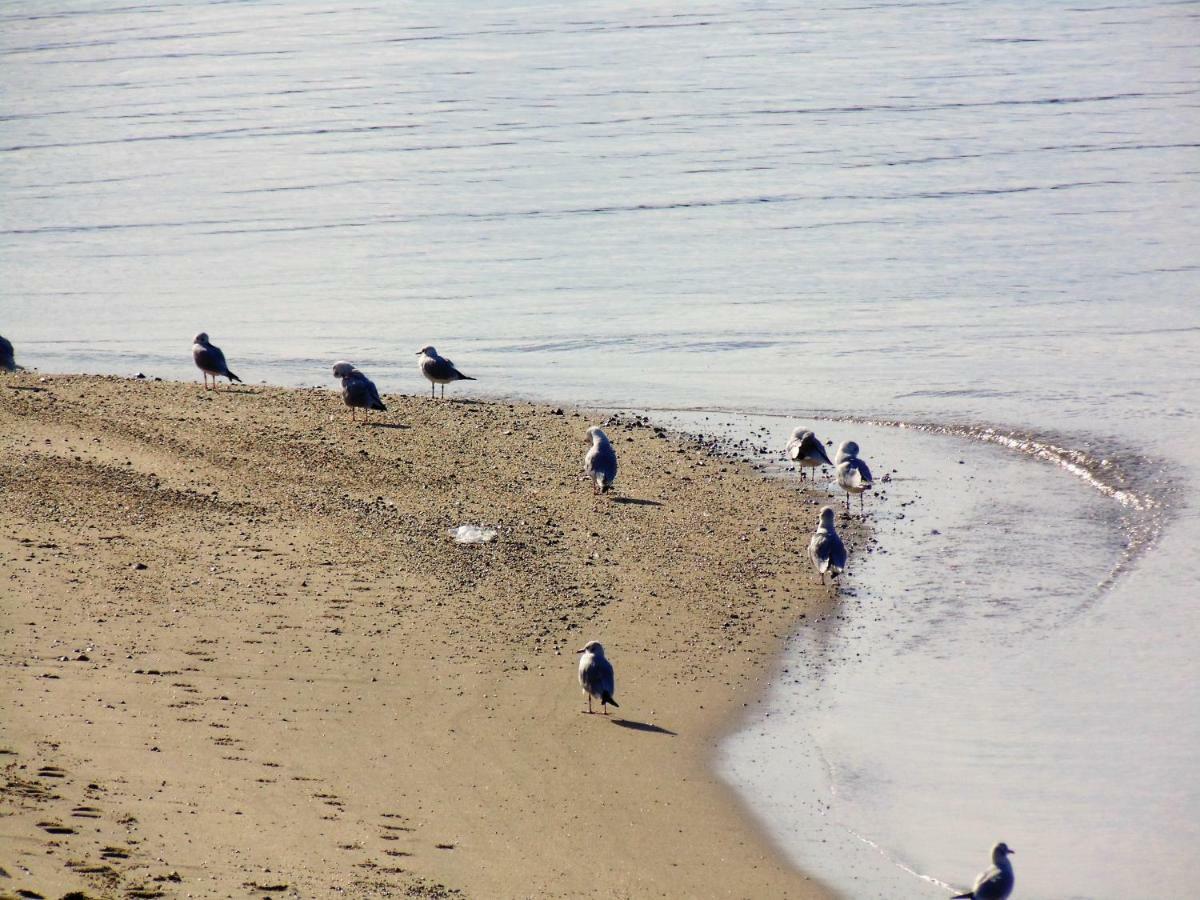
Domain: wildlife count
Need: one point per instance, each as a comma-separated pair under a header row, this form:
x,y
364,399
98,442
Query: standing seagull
x,y
358,391
852,473
996,882
596,676
600,463
210,360
439,370
7,362
825,549
806,450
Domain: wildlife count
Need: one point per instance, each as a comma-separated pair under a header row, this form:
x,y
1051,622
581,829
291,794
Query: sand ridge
x,y
238,633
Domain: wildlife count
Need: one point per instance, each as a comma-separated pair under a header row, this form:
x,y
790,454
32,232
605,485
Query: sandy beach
x,y
244,658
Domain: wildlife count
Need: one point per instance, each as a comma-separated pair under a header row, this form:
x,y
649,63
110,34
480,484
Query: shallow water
x,y
966,684
967,215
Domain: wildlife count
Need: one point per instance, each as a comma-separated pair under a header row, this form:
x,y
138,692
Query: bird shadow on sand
x,y
387,425
636,501
642,726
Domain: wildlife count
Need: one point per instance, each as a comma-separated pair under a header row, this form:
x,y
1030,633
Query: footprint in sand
x,y
55,828
87,868
31,790
389,831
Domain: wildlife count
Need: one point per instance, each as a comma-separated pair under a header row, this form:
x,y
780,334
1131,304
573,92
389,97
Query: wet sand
x,y
243,657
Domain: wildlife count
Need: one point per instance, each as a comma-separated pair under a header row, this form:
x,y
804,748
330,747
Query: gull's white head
x,y
427,351
596,436
1000,853
592,647
342,368
799,432
827,515
201,338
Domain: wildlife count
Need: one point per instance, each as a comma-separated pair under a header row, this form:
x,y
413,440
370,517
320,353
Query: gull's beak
x,y
418,353
581,649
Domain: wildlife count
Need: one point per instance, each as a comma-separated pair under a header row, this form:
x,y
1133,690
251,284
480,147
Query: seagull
x,y
600,463
845,450
439,370
806,450
995,882
358,390
852,473
596,676
825,549
210,360
7,362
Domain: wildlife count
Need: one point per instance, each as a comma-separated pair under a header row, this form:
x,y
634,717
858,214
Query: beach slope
x,y
243,657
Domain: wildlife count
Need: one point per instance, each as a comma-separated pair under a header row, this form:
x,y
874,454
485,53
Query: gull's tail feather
x,y
379,406
608,698
967,896
233,377
462,377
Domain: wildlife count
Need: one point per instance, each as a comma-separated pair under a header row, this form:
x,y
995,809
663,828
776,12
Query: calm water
x,y
966,215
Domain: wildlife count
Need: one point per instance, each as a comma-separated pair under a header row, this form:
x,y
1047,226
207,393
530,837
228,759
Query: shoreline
x,y
696,580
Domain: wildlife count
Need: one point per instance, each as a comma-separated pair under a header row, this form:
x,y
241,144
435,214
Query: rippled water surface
x,y
979,217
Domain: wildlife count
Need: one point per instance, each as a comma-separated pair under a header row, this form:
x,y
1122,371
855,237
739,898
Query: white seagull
x,y
806,450
600,463
210,360
596,676
995,882
825,548
358,391
853,475
438,370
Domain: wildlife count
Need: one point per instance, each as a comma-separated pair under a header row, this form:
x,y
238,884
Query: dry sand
x,y
243,658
